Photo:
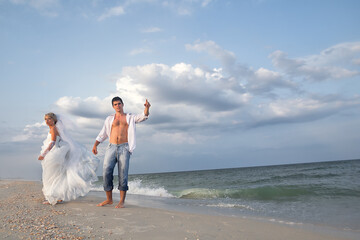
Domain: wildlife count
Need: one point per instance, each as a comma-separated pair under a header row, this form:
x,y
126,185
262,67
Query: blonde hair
x,y
51,115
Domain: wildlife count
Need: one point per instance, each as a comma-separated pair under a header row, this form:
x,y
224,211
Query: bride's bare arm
x,y
54,133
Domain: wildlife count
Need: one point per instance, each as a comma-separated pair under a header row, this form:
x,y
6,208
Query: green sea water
x,y
325,193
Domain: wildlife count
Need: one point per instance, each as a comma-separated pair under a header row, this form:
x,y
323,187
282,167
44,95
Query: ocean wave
x,y
260,193
263,193
136,187
269,193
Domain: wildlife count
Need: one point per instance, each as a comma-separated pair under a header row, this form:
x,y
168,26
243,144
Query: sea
x,y
322,193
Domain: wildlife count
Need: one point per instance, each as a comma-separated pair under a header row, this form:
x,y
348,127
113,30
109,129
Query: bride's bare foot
x,y
46,202
120,205
106,202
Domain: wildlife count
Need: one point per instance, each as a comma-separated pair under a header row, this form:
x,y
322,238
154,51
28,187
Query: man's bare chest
x,y
119,123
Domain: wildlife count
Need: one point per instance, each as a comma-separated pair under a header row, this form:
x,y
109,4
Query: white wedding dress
x,y
68,168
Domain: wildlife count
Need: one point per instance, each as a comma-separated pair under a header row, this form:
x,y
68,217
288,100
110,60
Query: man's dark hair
x,y
115,99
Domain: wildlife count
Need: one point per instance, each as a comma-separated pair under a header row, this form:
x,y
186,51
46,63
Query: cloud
x,y
31,132
139,51
300,104
91,107
342,53
179,7
264,81
185,97
175,138
299,109
184,7
227,58
152,30
205,3
181,84
356,61
112,12
242,78
191,104
332,63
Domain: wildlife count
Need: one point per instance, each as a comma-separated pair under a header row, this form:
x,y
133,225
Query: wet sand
x,y
23,216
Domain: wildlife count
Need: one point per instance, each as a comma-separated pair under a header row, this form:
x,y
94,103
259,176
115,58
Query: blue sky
x,y
231,83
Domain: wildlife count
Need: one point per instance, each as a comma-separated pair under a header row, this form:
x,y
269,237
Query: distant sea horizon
x,y
254,166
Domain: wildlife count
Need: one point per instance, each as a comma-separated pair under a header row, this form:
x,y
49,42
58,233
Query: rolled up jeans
x,y
116,153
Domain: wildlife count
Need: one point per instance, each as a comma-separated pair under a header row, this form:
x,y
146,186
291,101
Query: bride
x,y
68,168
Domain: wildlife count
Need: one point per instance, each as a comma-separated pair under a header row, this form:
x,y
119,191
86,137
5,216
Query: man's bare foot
x,y
106,202
120,205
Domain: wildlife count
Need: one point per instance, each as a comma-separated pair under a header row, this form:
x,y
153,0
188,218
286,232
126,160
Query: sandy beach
x,y
23,216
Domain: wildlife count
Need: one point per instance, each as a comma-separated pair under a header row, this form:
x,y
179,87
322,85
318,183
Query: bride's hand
x,y
41,158
94,150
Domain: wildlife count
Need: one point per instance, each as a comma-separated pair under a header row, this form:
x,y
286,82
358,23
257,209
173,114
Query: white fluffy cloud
x,y
91,107
242,78
264,81
301,109
335,62
187,99
183,7
181,84
227,58
31,132
112,12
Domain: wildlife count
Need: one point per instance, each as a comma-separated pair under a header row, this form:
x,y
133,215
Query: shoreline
x,y
24,217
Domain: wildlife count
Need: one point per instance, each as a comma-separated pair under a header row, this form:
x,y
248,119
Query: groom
x,y
120,128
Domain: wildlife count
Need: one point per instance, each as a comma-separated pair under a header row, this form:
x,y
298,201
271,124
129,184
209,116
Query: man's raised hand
x,y
147,104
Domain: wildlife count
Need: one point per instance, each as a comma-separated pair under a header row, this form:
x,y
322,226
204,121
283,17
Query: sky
x,y
231,83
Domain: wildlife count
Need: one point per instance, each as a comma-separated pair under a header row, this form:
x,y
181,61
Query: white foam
x,y
97,189
136,188
229,205
285,222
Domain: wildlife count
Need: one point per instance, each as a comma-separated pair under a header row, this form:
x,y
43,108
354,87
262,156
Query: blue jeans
x,y
116,153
